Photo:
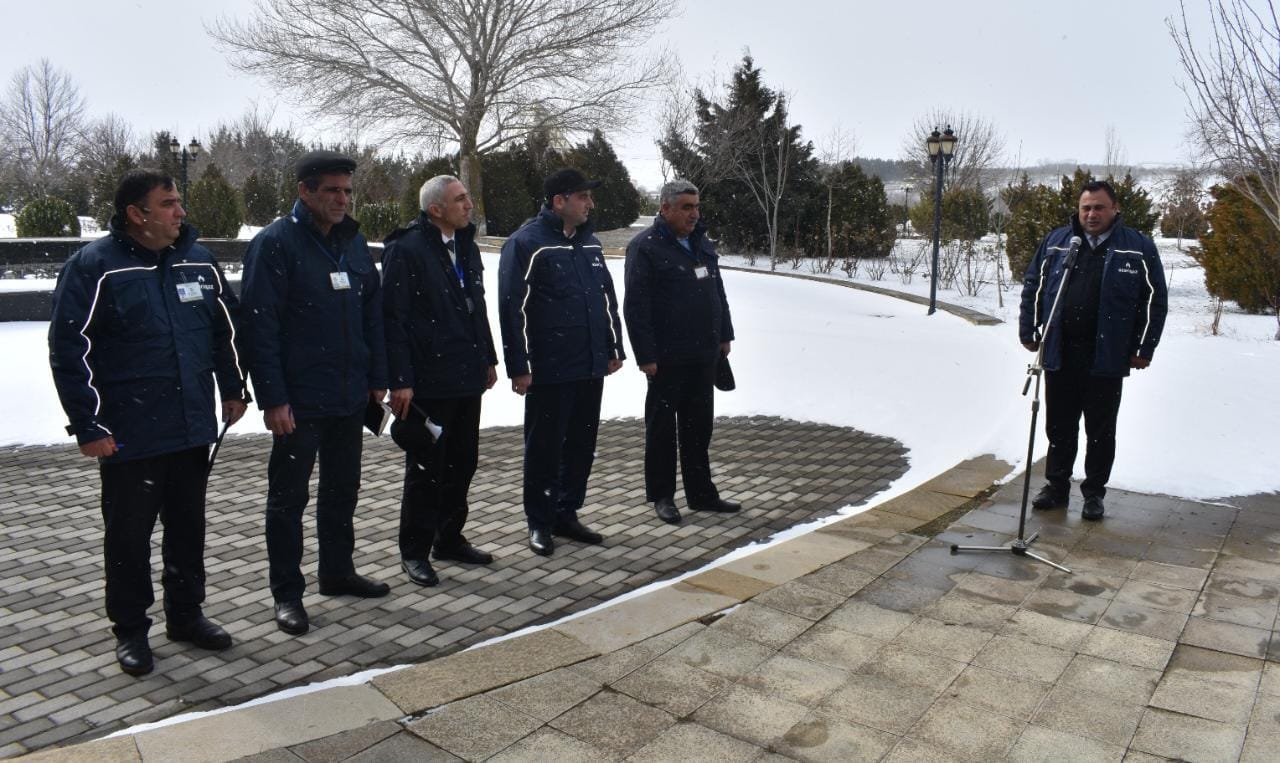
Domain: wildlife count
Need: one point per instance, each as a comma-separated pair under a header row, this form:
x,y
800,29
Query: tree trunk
x,y
469,166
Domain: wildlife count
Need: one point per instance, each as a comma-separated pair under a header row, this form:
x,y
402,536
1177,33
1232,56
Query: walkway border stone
x,y
405,694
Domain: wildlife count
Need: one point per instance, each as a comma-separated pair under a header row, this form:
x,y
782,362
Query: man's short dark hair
x,y
1093,186
133,189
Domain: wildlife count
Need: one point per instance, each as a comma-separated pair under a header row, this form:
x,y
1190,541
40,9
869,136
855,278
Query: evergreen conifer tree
x,y
47,217
214,206
261,203
1241,253
617,200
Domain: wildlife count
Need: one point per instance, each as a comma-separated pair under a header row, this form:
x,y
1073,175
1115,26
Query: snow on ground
x,y
947,389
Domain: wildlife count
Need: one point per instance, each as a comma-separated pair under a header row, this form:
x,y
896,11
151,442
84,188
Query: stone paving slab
x,y
58,678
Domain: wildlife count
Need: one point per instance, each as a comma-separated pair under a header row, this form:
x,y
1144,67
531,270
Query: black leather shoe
x,y
420,572
575,530
134,655
463,552
667,511
200,631
354,585
1093,508
718,505
1050,497
541,542
292,618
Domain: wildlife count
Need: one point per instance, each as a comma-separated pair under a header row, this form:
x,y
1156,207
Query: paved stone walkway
x,y
58,679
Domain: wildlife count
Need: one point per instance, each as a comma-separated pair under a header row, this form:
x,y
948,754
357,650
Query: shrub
x,y
47,217
213,205
378,218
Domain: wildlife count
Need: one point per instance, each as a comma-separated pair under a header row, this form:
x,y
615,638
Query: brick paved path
x,y
58,678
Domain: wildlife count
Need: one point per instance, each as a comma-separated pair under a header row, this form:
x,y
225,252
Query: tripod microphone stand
x,y
1021,545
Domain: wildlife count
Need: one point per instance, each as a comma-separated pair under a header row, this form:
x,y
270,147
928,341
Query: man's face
x,y
158,219
682,214
573,208
331,200
455,211
1097,212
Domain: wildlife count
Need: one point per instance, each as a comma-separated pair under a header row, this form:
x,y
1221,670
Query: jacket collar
x,y
1078,229
343,231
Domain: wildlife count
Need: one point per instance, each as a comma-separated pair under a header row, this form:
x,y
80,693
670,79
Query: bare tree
x,y
758,154
1113,155
836,149
475,74
102,143
1232,85
40,122
979,148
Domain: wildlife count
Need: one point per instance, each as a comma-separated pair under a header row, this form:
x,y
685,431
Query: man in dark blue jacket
x,y
441,359
1108,320
561,336
678,321
312,334
142,323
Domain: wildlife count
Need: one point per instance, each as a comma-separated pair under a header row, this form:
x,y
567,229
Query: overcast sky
x,y
1050,76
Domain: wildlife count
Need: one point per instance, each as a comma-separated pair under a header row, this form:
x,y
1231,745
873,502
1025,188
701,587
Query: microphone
x,y
1076,243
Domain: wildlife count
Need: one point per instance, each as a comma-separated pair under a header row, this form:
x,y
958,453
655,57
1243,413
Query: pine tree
x,y
1034,210
861,217
213,205
1241,253
617,200
966,214
260,200
377,219
1183,213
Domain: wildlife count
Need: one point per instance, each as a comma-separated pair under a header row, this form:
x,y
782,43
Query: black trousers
x,y
433,507
338,442
134,494
560,426
1070,393
679,408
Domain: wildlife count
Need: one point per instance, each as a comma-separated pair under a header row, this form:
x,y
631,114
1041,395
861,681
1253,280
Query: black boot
x,y
1050,497
134,655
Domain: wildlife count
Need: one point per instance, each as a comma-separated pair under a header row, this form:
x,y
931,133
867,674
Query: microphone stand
x,y
1021,545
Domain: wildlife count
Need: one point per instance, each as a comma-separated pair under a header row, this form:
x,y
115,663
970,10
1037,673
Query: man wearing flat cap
x,y
312,336
561,335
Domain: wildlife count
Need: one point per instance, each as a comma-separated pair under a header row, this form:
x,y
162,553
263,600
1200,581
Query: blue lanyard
x,y
339,261
457,262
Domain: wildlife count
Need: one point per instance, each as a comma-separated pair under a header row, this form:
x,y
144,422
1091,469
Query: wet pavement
x,y
860,641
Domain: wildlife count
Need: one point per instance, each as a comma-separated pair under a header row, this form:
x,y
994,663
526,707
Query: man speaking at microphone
x,y
1108,321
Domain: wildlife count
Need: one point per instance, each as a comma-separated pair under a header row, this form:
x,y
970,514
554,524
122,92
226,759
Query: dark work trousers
x,y
1070,393
560,426
679,407
134,493
433,507
338,441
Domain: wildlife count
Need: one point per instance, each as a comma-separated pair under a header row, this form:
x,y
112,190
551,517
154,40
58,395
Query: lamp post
x,y
942,146
906,208
188,154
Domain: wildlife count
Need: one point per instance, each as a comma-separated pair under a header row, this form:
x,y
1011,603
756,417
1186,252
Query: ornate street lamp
x,y
942,147
189,153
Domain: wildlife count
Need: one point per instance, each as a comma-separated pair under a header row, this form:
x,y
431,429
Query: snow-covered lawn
x,y
1196,424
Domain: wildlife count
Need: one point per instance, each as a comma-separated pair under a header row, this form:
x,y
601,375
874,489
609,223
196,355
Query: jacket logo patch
x,y
1128,269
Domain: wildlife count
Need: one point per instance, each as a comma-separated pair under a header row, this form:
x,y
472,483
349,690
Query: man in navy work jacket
x,y
678,321
142,323
561,336
312,333
441,359
1108,321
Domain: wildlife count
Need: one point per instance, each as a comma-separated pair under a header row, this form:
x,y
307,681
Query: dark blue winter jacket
x,y
135,340
309,344
438,337
1131,306
558,310
675,303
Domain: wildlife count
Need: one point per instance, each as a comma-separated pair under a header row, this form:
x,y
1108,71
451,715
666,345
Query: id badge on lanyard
x,y
340,280
701,272
189,292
